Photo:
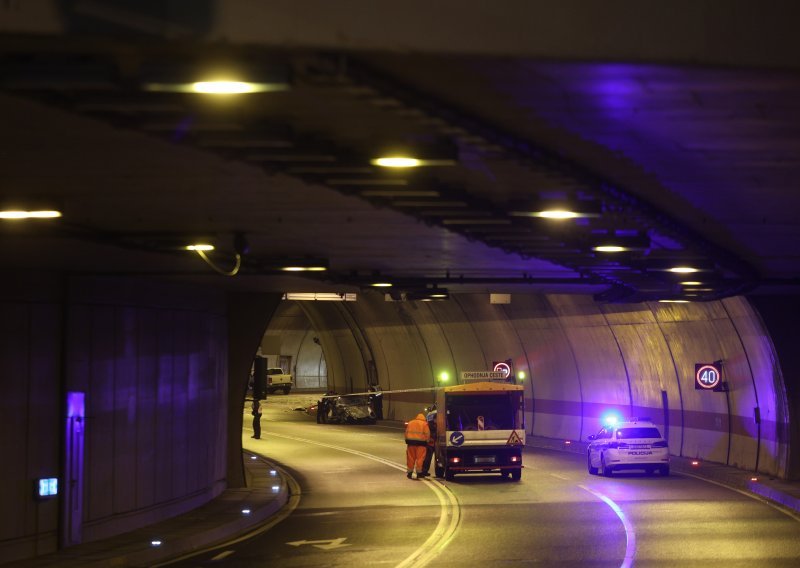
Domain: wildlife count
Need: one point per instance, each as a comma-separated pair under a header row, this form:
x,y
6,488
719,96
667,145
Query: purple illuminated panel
x,y
73,468
75,405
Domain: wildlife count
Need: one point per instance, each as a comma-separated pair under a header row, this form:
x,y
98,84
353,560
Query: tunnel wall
x,y
582,359
291,328
151,359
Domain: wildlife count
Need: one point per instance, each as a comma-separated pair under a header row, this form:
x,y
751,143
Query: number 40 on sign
x,y
707,376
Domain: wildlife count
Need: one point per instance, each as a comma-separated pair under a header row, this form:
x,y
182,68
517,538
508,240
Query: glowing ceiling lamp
x,y
558,210
381,284
19,214
205,247
219,78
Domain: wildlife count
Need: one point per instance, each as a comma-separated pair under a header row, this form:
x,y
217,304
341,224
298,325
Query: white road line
x,y
764,500
222,555
630,534
449,519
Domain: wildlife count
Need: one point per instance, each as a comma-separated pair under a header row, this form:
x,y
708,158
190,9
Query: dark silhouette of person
x,y
256,419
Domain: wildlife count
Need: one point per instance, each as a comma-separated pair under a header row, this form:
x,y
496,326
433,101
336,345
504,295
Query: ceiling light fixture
x,y
200,247
229,78
19,214
381,284
615,243
558,211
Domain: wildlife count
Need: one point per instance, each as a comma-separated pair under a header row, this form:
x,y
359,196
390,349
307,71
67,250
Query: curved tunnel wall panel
x,y
552,385
768,395
496,333
449,324
291,328
651,372
343,358
604,382
705,414
421,346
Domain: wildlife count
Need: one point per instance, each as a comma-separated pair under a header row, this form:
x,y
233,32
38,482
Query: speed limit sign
x,y
707,376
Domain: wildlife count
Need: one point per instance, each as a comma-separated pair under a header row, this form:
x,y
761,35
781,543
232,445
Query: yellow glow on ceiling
x,y
17,214
396,162
200,246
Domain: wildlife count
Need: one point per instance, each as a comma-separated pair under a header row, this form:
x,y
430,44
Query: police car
x,y
632,444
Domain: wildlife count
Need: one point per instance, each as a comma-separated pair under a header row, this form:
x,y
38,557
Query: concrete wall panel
x,y
769,394
651,373
553,381
143,354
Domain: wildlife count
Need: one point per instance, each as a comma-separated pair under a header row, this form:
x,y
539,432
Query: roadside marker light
x,y
567,442
275,488
753,479
245,511
155,543
273,472
695,463
253,457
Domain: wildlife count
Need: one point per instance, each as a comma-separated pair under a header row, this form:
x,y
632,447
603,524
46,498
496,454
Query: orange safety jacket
x,y
417,431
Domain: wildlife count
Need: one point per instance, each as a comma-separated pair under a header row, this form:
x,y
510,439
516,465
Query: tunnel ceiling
x,y
689,165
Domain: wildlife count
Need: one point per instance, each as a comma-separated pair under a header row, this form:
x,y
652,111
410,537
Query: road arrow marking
x,y
330,544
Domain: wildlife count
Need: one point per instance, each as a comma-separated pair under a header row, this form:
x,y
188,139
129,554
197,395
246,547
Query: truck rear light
x,y
514,459
455,459
269,380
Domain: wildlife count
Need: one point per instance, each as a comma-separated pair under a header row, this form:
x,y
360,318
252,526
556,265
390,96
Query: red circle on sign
x,y
502,368
707,377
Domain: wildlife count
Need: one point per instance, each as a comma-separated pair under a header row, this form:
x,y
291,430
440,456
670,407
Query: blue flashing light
x,y
610,419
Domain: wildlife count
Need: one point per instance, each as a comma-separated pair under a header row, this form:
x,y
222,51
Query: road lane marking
x,y
755,496
449,518
222,555
630,534
329,544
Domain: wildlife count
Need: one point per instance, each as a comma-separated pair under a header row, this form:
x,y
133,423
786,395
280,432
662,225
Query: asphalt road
x,y
357,508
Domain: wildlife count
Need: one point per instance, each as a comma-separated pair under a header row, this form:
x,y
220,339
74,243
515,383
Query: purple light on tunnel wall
x,y
76,405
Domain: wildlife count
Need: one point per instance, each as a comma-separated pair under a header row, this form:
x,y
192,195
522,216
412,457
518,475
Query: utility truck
x,y
480,428
278,380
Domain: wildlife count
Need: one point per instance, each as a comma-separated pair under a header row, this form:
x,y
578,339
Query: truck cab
x,y
479,429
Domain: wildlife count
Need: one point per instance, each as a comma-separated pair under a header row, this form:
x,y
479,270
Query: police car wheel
x,y
664,470
592,470
604,467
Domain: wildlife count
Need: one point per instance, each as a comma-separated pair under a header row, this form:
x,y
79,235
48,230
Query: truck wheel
x,y
286,390
448,474
438,470
516,474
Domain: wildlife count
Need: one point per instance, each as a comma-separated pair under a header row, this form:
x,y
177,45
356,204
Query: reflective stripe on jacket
x,y
417,431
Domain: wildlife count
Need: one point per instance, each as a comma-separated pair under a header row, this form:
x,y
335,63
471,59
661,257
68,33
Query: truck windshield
x,y
482,412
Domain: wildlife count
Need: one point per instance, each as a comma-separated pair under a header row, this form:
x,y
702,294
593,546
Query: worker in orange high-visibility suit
x,y
417,436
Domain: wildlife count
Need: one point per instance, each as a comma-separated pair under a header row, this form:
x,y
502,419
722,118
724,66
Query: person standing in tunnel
x,y
256,419
430,448
417,436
